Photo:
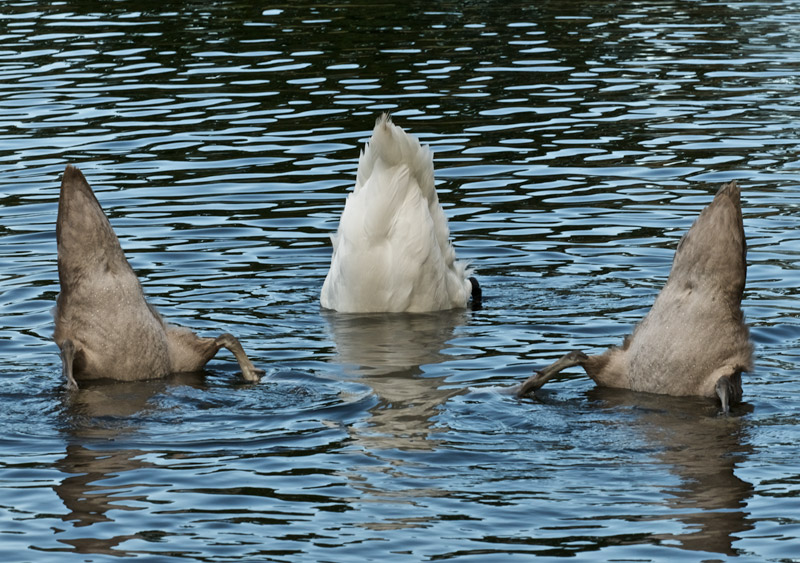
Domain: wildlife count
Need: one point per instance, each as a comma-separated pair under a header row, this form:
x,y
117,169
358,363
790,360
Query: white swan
x,y
104,326
392,252
694,340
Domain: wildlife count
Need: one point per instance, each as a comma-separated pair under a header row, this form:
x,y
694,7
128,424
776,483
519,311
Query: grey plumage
x,y
694,340
103,323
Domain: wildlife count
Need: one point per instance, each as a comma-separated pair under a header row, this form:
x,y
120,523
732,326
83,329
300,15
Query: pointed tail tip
x,y
383,119
384,125
391,142
71,171
731,189
73,179
71,174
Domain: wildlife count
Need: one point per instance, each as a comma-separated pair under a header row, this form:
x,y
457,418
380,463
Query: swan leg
x,y
249,371
477,293
534,382
729,388
67,360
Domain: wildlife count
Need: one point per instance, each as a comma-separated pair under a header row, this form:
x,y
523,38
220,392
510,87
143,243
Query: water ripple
x,y
574,145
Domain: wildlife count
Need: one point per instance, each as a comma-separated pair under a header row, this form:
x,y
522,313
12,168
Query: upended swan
x,y
694,340
392,252
103,325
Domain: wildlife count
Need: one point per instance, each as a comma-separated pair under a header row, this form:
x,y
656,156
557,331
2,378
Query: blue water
x,y
574,144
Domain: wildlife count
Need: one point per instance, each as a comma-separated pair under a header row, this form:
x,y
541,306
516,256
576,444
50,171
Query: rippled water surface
x,y
574,144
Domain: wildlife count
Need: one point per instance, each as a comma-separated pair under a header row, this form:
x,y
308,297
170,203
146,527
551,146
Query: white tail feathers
x,y
392,252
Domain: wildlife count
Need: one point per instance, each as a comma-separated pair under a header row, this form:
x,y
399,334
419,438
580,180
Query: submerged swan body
x,y
103,325
392,252
694,340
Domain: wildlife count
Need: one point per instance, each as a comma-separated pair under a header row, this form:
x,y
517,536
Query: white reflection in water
x,y
388,352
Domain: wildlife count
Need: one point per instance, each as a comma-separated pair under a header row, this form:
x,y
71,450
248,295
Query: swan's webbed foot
x,y
728,392
67,361
476,293
249,371
538,379
728,385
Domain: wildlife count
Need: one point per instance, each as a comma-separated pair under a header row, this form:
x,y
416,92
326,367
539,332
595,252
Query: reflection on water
x,y
703,451
102,414
390,352
87,490
84,494
574,142
131,472
381,344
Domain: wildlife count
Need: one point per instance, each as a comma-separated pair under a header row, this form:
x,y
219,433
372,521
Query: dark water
x,y
574,142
